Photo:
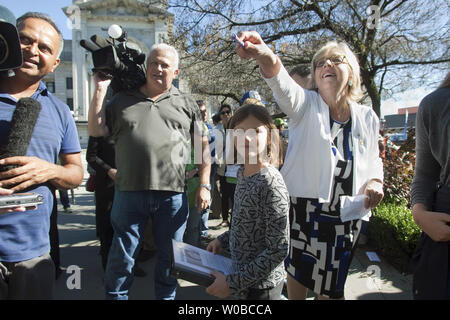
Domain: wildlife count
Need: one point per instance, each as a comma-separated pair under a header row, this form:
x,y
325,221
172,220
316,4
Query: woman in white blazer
x,y
332,162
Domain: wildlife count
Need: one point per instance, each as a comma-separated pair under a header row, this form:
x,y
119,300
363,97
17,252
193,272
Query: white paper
x,y
200,260
352,208
373,256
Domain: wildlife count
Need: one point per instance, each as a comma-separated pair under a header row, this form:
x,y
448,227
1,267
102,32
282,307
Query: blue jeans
x,y
130,213
204,222
64,197
196,226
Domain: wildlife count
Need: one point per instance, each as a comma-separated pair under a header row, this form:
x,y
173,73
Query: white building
x,y
146,21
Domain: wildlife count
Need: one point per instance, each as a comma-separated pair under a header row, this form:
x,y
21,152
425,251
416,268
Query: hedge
x,y
393,232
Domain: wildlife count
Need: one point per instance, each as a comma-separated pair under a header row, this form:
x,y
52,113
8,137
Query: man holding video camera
x,y
151,126
26,269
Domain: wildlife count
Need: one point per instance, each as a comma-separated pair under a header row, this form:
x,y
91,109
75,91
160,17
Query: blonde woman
x,y
332,155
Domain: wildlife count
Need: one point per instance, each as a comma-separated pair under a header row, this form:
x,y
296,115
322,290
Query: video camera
x,y
10,51
117,58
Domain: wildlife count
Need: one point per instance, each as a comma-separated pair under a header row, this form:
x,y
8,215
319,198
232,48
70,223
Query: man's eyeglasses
x,y
335,60
225,112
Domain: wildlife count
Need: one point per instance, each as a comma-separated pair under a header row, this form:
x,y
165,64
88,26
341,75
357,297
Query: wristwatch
x,y
207,186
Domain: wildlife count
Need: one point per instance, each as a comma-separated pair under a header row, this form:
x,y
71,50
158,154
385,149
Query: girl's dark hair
x,y
274,148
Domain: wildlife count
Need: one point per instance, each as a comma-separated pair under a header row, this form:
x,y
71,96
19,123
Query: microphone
x,y
20,131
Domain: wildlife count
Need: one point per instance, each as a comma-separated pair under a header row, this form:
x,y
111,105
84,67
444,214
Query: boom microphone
x,y
21,129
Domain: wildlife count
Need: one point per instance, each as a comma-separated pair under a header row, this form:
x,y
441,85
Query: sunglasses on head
x,y
225,112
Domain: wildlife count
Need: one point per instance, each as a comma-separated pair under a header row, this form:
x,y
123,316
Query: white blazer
x,y
309,166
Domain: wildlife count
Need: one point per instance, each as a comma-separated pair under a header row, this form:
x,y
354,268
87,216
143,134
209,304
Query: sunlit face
x,y
250,140
40,44
161,69
332,72
203,111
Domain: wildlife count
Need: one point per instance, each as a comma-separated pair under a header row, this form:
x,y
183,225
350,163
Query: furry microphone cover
x,y
21,129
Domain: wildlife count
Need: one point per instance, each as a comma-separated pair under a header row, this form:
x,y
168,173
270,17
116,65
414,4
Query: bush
x,y
393,232
399,171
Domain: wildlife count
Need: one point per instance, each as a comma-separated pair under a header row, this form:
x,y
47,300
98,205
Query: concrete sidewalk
x,y
79,248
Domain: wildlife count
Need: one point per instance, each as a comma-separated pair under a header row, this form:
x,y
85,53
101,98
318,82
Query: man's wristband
x,y
207,186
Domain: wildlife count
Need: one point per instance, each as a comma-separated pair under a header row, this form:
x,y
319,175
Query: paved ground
x,y
79,247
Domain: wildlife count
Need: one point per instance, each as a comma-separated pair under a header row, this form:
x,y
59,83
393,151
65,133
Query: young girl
x,y
258,239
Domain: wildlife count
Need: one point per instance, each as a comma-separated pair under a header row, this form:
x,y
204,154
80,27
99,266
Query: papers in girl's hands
x,y
352,208
195,265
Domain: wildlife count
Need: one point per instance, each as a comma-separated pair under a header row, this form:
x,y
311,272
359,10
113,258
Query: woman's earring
x,y
350,83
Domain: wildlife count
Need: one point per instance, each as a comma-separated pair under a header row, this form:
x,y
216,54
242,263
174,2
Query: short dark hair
x,y
302,70
225,106
45,17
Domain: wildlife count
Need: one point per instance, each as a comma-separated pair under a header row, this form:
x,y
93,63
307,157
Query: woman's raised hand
x,y
255,48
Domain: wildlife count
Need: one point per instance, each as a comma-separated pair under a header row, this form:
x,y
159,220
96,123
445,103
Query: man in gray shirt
x,y
151,126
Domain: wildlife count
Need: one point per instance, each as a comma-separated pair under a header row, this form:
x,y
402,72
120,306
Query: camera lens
x,y
4,49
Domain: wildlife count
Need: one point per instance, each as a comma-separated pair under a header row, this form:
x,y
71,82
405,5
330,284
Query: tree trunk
x,y
373,93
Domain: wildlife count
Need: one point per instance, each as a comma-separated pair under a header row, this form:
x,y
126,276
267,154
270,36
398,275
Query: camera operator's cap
x,y
10,51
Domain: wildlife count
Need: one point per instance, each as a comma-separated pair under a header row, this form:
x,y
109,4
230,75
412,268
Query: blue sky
x,y
50,7
53,8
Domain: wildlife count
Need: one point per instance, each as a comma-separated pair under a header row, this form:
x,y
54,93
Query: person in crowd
x,y
258,239
64,198
151,127
279,124
100,156
212,143
216,202
302,75
226,188
430,196
333,153
192,233
197,224
25,263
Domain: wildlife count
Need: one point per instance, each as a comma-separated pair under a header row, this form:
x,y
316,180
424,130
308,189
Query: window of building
x,y
69,83
70,103
50,86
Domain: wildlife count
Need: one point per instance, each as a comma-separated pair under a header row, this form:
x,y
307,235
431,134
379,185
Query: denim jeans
x,y
196,226
64,198
204,222
129,216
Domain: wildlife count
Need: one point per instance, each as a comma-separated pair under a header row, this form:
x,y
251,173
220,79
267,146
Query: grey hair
x,y
166,47
47,18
